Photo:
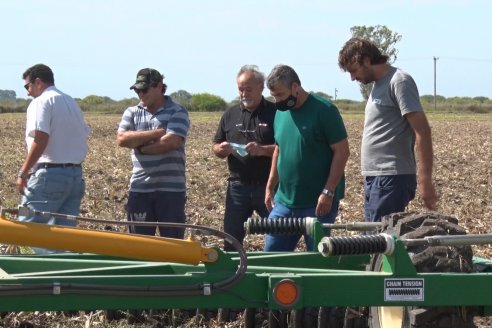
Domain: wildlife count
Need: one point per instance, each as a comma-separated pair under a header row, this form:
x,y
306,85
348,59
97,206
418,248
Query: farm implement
x,y
410,270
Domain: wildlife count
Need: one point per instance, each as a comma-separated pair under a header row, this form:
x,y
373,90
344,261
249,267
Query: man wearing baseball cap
x,y
156,131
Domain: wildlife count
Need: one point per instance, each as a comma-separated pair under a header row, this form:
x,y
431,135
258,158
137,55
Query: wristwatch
x,y
328,192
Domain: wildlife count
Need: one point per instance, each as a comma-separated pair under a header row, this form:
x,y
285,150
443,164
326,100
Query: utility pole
x,y
435,60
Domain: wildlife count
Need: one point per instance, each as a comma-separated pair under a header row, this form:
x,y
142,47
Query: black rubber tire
x,y
303,318
163,317
428,259
223,315
296,318
323,317
278,319
227,314
111,315
250,318
114,315
356,317
330,317
136,317
204,315
181,316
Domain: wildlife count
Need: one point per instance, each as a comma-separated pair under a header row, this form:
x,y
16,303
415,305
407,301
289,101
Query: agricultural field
x,y
462,171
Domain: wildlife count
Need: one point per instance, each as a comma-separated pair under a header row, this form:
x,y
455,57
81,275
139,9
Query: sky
x,y
96,47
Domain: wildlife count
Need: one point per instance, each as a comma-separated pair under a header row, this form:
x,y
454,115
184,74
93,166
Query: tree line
x,y
206,102
381,35
200,102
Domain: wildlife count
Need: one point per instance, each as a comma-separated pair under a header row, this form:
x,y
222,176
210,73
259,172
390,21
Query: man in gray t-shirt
x,y
395,124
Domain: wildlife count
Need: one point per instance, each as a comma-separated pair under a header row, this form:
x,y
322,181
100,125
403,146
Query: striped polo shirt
x,y
163,172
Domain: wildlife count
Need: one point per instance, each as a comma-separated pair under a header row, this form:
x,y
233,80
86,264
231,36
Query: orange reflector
x,y
286,292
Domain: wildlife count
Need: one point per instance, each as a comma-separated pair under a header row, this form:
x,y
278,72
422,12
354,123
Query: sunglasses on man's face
x,y
144,91
27,85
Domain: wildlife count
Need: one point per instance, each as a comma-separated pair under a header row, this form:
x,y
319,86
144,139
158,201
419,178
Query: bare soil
x,y
463,177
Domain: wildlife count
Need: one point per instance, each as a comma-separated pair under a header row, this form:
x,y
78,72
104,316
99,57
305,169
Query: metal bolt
x,y
212,255
324,247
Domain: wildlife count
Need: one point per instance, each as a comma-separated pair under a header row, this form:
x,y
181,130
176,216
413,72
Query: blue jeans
x,y
62,190
55,190
157,206
387,194
241,201
287,243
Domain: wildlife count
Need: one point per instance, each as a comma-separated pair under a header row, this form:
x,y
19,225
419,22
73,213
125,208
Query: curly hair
x,y
356,49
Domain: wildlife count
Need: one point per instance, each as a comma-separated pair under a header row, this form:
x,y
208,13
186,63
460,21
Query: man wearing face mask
x,y
245,137
308,163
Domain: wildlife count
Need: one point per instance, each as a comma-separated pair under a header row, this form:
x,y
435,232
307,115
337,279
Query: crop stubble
x,y
462,172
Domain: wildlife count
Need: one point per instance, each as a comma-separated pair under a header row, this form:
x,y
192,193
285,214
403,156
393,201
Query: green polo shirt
x,y
304,136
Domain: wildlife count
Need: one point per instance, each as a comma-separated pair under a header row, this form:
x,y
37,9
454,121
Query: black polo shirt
x,y
241,126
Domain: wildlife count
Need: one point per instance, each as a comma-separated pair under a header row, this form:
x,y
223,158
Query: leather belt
x,y
249,183
50,165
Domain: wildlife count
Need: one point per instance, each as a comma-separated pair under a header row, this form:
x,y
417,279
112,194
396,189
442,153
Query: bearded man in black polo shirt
x,y
245,137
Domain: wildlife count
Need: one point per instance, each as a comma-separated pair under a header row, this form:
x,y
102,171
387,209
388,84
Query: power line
x,y
435,60
447,58
469,59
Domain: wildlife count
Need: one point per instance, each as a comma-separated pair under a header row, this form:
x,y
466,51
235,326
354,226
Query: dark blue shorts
x,y
388,194
157,206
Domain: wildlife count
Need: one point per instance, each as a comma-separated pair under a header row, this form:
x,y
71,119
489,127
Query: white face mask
x,y
240,149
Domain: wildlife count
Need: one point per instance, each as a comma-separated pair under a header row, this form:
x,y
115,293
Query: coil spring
x,y
276,226
352,245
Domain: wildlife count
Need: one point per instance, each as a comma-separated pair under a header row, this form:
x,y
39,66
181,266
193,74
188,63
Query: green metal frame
x,y
74,282
332,281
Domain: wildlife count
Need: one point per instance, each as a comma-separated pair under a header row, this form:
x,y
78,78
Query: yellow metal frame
x,y
140,247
